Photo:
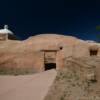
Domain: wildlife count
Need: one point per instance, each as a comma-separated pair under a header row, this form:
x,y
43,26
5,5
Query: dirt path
x,y
27,87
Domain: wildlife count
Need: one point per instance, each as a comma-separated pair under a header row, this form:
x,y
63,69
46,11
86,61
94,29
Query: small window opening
x,y
93,80
61,48
93,52
49,66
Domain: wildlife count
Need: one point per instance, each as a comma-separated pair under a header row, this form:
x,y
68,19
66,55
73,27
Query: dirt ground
x,y
26,87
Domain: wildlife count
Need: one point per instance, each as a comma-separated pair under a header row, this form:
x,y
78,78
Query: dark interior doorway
x,y
49,66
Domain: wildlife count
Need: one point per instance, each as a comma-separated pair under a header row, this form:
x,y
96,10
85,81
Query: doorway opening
x,y
49,66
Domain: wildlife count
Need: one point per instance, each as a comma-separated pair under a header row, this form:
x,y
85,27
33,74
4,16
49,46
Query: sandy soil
x,y
27,87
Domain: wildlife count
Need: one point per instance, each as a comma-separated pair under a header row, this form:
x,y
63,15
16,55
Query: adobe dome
x,y
52,35
52,38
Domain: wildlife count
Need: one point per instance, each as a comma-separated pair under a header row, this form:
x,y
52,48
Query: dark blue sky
x,y
71,17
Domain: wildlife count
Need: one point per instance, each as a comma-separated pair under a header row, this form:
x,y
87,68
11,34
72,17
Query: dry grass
x,y
16,71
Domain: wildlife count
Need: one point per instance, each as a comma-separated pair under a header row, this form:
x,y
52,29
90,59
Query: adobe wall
x,y
3,37
77,49
29,53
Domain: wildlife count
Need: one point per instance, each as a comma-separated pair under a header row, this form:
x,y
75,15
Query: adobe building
x,y
51,50
45,51
6,34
